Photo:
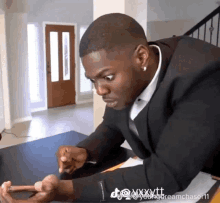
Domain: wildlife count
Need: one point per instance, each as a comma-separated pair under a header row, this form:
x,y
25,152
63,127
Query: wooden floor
x,y
51,122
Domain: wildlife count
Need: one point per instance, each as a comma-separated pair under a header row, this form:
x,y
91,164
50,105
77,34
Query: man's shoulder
x,y
173,42
168,46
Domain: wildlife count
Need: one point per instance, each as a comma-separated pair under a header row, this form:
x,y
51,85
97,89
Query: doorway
x,y
60,59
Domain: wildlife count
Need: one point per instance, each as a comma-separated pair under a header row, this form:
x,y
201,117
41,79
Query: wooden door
x,y
60,58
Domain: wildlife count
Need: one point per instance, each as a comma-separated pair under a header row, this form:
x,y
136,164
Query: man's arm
x,y
107,137
189,138
65,191
47,190
106,140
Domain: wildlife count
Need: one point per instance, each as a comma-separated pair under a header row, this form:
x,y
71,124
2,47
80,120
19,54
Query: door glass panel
x,y
85,84
66,55
54,58
33,63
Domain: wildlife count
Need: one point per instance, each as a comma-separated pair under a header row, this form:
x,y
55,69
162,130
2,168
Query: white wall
x,y
79,12
137,9
16,38
2,113
171,17
5,116
15,89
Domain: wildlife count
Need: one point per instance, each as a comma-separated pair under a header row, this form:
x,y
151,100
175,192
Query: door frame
x,y
76,58
4,73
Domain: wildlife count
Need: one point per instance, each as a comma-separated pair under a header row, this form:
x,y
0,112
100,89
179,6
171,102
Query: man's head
x,y
114,52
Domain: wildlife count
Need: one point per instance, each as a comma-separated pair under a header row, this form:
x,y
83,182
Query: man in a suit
x,y
162,97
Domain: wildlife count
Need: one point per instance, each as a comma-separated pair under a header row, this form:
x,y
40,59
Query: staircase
x,y
208,28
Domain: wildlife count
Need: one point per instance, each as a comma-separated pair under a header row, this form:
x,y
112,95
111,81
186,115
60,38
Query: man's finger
x,y
63,164
21,188
38,186
39,197
79,164
2,200
61,169
65,169
71,170
5,197
50,183
81,157
63,158
61,151
6,186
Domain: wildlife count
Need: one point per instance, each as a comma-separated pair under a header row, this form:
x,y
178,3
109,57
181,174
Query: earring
x,y
145,68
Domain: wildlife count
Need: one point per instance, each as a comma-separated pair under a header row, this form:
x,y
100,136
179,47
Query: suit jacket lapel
x,y
141,121
167,47
135,143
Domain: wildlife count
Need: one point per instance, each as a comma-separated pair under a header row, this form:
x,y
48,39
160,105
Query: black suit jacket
x,y
178,130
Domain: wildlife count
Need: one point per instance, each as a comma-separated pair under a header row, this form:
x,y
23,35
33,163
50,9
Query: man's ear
x,y
141,55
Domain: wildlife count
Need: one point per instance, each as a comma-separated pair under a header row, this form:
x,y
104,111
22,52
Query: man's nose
x,y
101,89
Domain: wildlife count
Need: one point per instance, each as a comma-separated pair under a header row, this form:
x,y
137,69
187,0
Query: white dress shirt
x,y
143,99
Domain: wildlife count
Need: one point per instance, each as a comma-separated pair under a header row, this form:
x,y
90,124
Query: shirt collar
x,y
149,90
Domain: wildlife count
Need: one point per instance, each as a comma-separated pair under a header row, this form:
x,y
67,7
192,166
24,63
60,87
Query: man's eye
x,y
109,77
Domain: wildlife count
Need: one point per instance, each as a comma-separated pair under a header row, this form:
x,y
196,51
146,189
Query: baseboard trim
x,y
38,109
20,120
85,101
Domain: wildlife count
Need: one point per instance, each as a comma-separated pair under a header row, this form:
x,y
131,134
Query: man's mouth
x,y
110,103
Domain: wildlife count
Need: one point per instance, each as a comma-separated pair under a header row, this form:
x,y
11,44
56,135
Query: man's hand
x,y
46,191
5,197
71,158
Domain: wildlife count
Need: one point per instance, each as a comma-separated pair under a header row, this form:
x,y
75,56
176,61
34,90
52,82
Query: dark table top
x,y
30,162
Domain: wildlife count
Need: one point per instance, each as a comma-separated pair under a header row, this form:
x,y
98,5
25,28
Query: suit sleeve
x,y
191,135
107,137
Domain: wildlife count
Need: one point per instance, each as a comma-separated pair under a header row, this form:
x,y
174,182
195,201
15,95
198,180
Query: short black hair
x,y
109,31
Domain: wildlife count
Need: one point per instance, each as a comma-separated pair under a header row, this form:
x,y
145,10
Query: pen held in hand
x,y
29,188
